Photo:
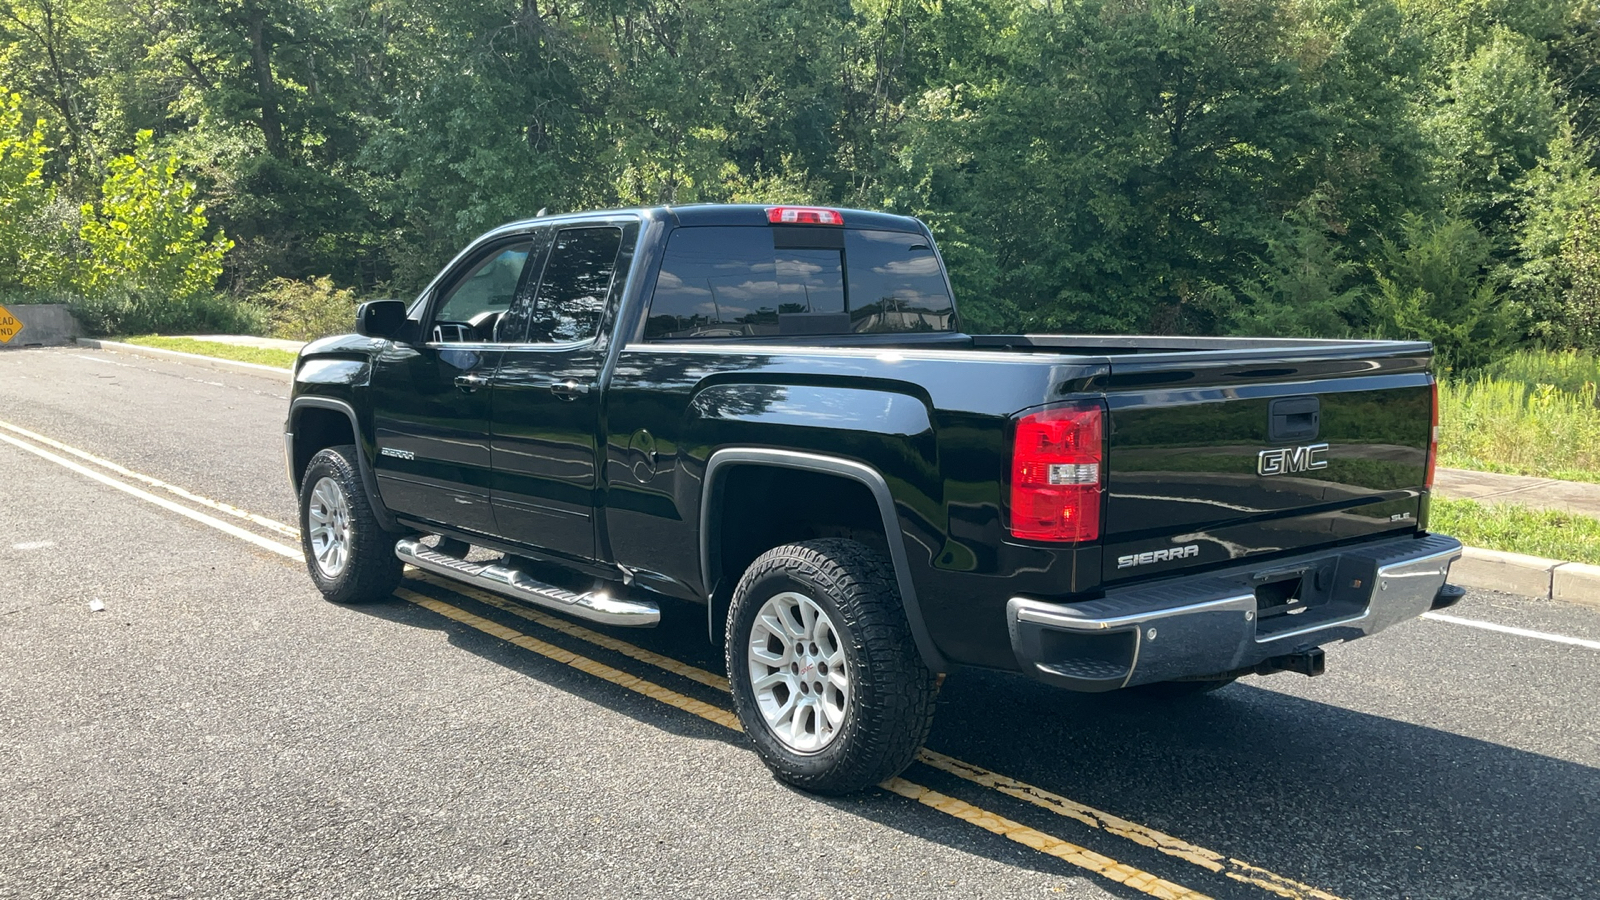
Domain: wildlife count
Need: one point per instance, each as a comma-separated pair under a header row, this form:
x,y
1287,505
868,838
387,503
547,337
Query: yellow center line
x,y
582,663
1208,859
624,648
1110,823
1238,870
1049,845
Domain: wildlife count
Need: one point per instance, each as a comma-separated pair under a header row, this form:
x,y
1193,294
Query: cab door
x,y
431,400
546,431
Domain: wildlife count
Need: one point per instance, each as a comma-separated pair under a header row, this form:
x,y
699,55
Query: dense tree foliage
x,y
1327,167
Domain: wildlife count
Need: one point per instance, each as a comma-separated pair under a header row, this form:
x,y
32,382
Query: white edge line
x,y
263,521
1519,632
164,503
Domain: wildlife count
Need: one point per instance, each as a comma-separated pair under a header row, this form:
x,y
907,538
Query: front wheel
x,y
349,555
826,677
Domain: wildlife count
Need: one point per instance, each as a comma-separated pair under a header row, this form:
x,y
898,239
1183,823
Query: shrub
x,y
307,310
1528,428
1571,371
133,312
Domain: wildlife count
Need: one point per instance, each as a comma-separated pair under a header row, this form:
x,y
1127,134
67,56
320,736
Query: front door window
x,y
471,309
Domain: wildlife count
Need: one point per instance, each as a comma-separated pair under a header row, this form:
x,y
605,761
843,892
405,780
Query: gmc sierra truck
x,y
773,412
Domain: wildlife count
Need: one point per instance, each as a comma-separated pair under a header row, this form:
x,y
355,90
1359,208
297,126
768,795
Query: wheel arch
x,y
726,461
316,423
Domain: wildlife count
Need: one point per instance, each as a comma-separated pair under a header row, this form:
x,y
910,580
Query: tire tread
x,y
895,698
373,571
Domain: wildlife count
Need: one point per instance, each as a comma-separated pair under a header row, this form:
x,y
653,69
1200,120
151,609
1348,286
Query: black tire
x,y
1178,690
370,571
889,708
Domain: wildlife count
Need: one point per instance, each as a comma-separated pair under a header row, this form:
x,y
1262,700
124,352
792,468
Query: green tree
x,y
1437,283
43,55
1494,122
1302,284
1122,157
1558,197
1580,309
148,234
24,194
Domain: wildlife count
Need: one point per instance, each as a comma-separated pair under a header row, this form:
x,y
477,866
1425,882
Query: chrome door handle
x,y
569,390
470,383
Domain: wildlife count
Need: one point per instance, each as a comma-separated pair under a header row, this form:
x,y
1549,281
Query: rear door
x,y
1213,458
431,401
547,391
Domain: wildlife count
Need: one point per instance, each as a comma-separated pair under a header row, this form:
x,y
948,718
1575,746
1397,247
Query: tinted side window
x,y
572,294
732,281
896,284
480,294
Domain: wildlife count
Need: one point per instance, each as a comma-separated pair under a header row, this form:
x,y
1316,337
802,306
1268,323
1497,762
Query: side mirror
x,y
380,318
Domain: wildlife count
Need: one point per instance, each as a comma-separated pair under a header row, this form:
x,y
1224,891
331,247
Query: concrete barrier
x,y
43,325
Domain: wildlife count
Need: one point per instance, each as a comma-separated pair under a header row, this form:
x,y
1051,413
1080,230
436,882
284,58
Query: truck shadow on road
x,y
684,630
1354,804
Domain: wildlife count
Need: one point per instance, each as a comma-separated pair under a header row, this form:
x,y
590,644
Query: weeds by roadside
x,y
1532,413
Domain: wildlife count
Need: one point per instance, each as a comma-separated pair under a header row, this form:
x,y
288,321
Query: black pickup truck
x,y
773,412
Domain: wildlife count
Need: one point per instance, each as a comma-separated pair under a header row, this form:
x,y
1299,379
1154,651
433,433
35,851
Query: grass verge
x,y
1517,529
262,356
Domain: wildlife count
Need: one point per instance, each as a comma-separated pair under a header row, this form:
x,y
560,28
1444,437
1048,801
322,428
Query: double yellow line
x,y
1082,857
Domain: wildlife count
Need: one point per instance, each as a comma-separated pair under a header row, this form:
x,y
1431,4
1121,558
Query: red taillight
x,y
1056,474
1433,439
803,215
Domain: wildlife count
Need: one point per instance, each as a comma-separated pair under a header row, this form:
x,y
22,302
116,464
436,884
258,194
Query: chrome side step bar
x,y
596,606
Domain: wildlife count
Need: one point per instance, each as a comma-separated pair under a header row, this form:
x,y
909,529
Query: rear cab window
x,y
744,281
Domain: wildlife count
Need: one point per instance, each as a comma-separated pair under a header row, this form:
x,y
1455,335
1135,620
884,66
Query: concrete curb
x,y
193,359
1530,576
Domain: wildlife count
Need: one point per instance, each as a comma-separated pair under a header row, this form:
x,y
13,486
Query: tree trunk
x,y
266,88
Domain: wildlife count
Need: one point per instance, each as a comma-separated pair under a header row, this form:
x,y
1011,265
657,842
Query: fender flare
x,y
369,478
830,465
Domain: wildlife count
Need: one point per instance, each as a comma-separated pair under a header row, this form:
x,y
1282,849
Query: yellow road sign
x,y
9,325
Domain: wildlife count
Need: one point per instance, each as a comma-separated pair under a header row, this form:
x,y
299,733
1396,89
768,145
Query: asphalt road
x,y
220,731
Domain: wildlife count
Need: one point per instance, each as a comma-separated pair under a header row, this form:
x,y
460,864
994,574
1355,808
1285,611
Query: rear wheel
x,y
349,555
826,677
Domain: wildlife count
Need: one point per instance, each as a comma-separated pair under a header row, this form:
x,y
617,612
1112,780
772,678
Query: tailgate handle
x,y
1295,419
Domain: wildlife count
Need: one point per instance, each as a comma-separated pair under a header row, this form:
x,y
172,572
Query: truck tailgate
x,y
1216,456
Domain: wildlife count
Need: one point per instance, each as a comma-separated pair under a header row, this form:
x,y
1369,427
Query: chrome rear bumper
x,y
1227,621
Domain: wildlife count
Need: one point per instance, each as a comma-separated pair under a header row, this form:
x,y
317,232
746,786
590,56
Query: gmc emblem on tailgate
x,y
1287,460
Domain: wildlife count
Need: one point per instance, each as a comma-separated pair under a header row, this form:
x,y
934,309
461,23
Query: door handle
x,y
470,383
569,390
